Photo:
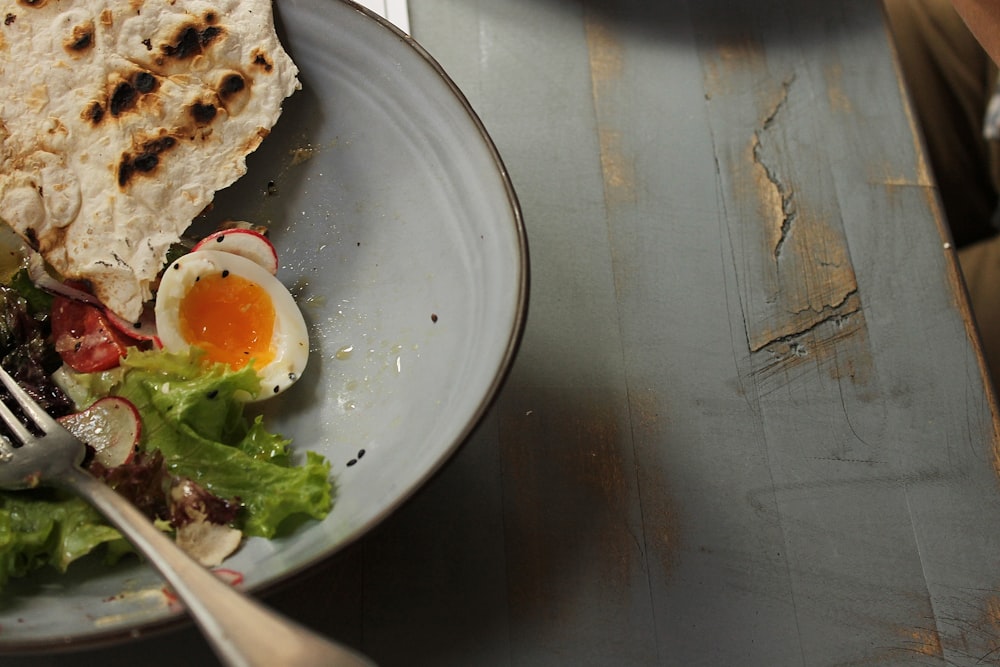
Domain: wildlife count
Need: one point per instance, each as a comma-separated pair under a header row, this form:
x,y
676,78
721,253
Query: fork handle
x,y
242,632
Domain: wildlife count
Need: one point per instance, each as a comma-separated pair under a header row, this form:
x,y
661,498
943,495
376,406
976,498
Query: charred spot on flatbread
x,y
124,95
94,113
53,237
123,98
80,39
34,4
145,82
232,84
202,113
127,93
233,89
9,19
193,39
144,160
261,61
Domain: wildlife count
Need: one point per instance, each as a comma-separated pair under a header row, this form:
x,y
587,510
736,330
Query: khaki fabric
x,y
950,79
981,269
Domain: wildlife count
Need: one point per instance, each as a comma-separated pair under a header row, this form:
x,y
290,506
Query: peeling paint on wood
x,y
797,271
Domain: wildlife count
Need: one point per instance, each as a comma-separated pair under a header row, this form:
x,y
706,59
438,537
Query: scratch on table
x,y
974,631
925,641
661,517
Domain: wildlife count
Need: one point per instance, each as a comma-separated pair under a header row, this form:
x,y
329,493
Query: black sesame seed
x,y
361,453
276,389
225,274
351,462
220,238
177,265
291,377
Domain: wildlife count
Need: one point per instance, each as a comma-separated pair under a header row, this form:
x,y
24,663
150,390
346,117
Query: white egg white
x,y
290,341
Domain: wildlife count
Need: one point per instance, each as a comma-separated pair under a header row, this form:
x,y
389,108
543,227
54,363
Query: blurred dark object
x,y
950,80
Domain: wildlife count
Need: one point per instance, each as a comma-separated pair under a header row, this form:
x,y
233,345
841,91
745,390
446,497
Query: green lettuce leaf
x,y
195,415
48,528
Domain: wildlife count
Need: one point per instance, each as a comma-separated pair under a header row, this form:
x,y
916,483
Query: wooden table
x,y
748,423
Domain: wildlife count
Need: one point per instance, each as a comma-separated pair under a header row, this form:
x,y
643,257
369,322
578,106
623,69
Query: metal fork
x,y
241,631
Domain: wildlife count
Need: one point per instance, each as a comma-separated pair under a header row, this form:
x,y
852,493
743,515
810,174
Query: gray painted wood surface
x,y
748,423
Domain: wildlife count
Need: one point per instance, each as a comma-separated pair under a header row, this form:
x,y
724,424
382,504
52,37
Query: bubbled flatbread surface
x,y
120,119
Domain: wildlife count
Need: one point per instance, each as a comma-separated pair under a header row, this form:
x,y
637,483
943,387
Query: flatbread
x,y
120,119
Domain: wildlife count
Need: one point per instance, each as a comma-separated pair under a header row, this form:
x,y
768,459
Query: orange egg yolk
x,y
230,318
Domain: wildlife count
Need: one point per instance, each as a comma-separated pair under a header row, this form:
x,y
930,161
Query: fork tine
x,y
15,425
27,405
6,448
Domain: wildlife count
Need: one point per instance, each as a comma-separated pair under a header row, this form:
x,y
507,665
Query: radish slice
x,y
111,425
144,329
46,281
247,243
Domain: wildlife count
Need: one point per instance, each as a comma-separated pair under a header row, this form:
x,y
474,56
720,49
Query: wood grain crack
x,y
784,194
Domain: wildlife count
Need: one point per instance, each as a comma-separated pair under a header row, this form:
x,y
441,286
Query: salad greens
x,y
46,527
24,349
194,415
194,428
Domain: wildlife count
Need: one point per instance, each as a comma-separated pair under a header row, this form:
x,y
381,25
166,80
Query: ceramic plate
x,y
401,238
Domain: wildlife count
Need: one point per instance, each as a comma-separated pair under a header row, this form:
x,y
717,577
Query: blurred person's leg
x,y
981,270
950,79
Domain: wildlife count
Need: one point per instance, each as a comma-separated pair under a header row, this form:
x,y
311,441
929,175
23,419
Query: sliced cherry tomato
x,y
84,337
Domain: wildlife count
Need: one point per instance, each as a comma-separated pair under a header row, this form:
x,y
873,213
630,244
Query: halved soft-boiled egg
x,y
237,313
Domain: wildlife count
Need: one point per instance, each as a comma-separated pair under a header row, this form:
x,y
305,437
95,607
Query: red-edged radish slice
x,y
247,243
144,329
231,577
44,280
111,425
